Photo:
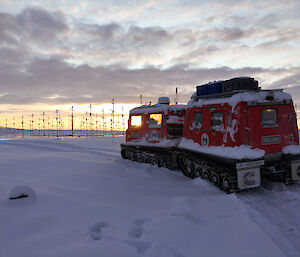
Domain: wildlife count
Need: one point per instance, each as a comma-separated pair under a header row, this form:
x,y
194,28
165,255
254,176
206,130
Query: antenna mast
x,y
91,123
44,123
72,118
56,123
22,126
113,115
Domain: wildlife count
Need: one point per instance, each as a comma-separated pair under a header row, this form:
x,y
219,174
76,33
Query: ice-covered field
x,y
90,202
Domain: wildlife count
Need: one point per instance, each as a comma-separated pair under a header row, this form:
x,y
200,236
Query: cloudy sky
x,y
61,52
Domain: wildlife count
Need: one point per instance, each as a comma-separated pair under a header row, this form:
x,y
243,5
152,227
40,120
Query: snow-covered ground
x,y
86,201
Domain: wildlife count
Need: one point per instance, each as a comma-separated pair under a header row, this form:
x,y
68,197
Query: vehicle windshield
x,y
155,120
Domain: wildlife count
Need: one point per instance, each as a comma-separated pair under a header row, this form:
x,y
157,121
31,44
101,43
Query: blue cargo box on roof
x,y
202,90
210,88
215,88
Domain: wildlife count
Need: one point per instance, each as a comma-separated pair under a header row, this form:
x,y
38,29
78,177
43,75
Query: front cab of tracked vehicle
x,y
155,123
154,132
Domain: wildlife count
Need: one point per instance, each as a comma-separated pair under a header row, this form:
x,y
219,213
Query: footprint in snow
x,y
134,234
137,230
96,230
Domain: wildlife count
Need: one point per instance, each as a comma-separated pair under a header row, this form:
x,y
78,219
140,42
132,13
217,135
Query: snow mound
x,y
237,152
291,149
163,143
21,192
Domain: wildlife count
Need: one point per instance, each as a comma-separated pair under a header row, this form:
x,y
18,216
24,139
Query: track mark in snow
x,y
187,216
96,230
183,207
275,211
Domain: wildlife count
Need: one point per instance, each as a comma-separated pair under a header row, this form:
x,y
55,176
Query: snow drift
x,y
91,202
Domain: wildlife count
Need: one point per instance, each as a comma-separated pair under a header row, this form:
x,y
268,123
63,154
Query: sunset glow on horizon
x,y
84,117
59,54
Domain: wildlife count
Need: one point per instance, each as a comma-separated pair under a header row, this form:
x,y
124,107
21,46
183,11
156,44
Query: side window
x,y
269,118
155,120
217,121
136,121
197,120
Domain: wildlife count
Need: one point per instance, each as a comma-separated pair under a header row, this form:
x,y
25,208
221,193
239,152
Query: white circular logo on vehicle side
x,y
204,139
154,135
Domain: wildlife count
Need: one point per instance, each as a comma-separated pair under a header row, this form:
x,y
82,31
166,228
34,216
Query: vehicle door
x,y
216,132
199,126
270,127
154,127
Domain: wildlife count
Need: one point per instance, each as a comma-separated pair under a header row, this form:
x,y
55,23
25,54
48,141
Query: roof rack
x,y
231,93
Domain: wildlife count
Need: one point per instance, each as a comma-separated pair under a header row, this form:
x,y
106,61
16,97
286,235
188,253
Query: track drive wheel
x,y
132,156
190,170
154,162
214,178
124,154
205,174
140,159
198,172
225,184
180,163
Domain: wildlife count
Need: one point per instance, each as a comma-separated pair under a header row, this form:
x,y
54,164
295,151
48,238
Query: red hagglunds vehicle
x,y
154,132
231,132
